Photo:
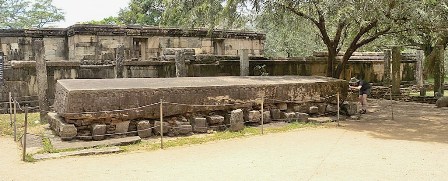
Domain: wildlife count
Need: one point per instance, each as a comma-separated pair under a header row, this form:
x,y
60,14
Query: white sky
x,y
86,10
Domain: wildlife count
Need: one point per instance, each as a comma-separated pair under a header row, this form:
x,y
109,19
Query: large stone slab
x,y
62,129
100,98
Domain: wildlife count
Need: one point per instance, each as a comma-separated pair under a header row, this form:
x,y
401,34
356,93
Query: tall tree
x,y
27,14
145,12
342,24
429,28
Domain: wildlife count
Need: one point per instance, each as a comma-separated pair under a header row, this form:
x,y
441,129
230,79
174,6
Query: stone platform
x,y
96,95
85,103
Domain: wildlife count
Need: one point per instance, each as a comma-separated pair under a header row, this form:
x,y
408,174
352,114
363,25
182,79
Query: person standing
x,y
364,90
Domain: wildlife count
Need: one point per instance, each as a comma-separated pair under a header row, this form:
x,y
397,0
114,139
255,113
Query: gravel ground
x,y
413,146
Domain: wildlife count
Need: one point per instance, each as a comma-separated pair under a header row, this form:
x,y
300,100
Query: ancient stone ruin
x,y
97,109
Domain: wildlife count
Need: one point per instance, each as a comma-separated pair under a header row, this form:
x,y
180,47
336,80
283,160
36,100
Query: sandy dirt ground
x,y
413,146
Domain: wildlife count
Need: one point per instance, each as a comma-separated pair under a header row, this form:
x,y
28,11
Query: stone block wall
x,y
97,44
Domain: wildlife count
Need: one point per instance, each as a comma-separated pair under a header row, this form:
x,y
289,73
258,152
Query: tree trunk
x,y
343,63
330,61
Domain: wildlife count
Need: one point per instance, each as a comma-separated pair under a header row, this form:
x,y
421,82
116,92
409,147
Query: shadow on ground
x,y
412,122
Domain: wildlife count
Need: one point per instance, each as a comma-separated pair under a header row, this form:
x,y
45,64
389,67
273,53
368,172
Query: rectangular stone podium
x,y
119,105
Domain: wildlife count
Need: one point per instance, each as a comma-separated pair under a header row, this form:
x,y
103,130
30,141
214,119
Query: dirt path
x,y
412,147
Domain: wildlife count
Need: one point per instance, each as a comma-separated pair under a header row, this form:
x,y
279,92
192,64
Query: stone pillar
x,y
439,71
419,68
119,58
387,66
41,76
181,68
2,63
396,72
244,62
419,72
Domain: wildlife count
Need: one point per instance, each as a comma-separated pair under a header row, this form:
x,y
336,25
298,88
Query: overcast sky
x,y
86,10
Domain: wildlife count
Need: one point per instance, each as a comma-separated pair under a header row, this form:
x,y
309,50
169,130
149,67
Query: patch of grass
x,y
428,93
431,80
33,125
47,146
182,141
29,158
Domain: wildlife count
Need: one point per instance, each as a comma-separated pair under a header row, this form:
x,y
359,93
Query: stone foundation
x,y
131,106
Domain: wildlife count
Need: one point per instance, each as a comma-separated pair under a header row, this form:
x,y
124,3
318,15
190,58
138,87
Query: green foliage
x,y
144,12
106,21
287,36
17,14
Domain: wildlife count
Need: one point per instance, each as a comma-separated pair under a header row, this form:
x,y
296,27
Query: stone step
x,y
91,151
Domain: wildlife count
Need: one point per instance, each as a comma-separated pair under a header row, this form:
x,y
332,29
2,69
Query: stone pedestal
x,y
244,62
144,129
387,67
237,120
396,73
98,132
276,114
41,76
200,125
253,116
267,117
181,68
215,119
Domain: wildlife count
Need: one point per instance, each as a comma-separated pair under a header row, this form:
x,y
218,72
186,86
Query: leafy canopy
x,y
17,14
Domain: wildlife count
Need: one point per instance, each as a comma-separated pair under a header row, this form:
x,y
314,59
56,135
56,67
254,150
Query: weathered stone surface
x,y
303,117
321,108
290,116
200,125
297,108
253,116
276,114
215,119
121,127
236,120
144,129
267,117
314,110
185,129
98,131
72,95
64,130
91,151
157,124
282,106
349,108
75,144
332,108
442,102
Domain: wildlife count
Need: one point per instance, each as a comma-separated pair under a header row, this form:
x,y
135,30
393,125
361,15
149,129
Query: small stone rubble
x,y
199,123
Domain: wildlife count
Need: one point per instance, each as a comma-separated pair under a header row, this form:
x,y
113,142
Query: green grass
x,y
182,141
428,93
33,126
431,80
29,158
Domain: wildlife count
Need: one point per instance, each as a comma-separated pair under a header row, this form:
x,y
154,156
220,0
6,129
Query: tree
x,y
145,12
341,24
16,14
111,20
428,29
288,37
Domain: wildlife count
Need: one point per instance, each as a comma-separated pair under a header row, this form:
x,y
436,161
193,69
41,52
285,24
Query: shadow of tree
x,y
412,122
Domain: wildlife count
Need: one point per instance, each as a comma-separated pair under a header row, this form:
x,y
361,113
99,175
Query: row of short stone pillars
x,y
392,70
181,68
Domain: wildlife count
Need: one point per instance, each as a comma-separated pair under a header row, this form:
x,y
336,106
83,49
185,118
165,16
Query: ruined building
x,y
98,43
